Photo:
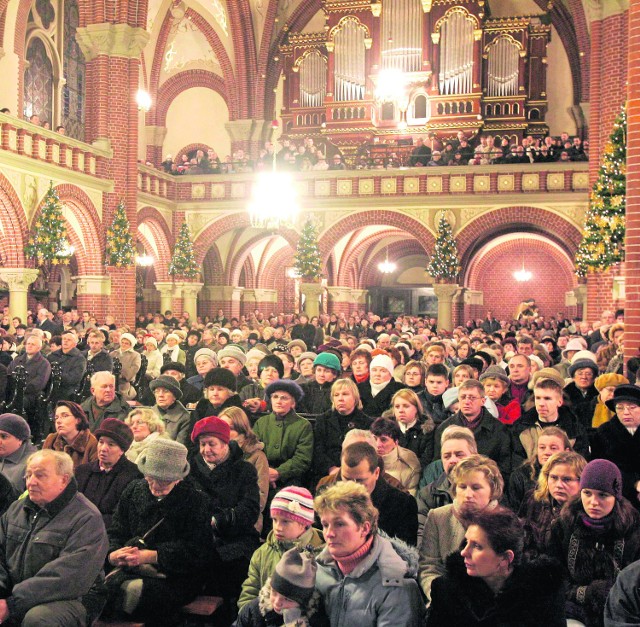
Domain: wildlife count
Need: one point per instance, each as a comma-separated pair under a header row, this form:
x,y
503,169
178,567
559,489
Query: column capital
x,y
154,135
311,289
445,291
223,292
164,287
113,40
18,279
93,284
240,130
260,296
472,297
340,294
359,296
188,288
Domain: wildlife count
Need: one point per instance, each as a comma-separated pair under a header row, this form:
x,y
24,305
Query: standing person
x,y
363,577
160,543
72,363
596,535
487,583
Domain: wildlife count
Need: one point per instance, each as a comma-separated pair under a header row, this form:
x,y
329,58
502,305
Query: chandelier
x,y
66,250
144,261
522,275
386,266
273,200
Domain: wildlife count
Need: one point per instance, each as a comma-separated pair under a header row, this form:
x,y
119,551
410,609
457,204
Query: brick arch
x,y
183,81
245,55
361,219
163,240
212,267
219,227
14,225
91,259
349,262
132,12
276,266
248,272
512,219
397,250
190,147
237,262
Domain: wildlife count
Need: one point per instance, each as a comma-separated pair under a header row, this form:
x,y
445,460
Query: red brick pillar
x,y
632,244
112,51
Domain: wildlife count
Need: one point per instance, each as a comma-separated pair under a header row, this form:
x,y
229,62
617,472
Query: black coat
x,y
329,432
375,407
531,597
73,365
612,441
233,499
419,439
579,404
101,361
306,333
398,512
104,489
520,482
317,398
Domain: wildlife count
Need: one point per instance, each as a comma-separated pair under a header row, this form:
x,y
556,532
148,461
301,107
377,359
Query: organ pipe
x,y
313,80
349,53
503,68
456,55
402,35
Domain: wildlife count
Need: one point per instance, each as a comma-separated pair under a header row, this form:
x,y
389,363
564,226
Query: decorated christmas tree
x,y
444,264
308,263
602,242
120,248
183,263
47,244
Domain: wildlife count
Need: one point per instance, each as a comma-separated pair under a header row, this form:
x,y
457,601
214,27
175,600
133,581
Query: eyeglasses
x,y
631,407
557,479
469,398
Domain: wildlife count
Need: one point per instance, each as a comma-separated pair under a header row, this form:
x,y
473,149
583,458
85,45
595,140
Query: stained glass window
x,y
38,82
73,100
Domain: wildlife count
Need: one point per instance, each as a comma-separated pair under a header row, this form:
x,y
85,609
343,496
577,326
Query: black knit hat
x,y
173,365
222,377
295,576
271,360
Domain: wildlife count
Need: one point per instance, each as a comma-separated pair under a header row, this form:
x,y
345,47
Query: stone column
x,y
580,293
189,291
18,280
632,240
312,293
166,289
445,293
241,133
154,137
93,292
260,299
340,299
54,293
225,297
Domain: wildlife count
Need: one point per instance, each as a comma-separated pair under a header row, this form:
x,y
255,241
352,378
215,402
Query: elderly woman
x,y
172,348
252,451
231,484
270,369
131,363
364,578
147,426
331,427
160,542
417,428
205,359
606,385
487,583
558,483
176,417
596,535
72,434
478,485
153,355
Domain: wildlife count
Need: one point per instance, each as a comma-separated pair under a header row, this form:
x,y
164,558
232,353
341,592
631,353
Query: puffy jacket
x,y
264,560
50,554
380,592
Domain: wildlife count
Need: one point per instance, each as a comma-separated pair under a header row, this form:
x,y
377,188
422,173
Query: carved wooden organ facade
x,y
390,68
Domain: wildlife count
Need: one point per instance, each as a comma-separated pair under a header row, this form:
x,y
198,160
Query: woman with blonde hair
x,y
147,427
363,577
478,485
416,426
252,450
558,482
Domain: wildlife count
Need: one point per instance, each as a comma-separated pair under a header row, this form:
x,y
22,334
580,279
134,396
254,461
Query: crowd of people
x,y
338,470
305,156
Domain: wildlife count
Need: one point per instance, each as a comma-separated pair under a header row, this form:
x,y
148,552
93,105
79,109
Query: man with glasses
x,y
492,437
619,439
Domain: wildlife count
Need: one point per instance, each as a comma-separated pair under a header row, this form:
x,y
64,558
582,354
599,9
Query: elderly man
x,y
104,402
97,354
233,358
15,448
519,374
54,535
103,480
46,324
73,365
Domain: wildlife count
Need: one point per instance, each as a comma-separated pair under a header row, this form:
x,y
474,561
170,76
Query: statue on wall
x,y
527,309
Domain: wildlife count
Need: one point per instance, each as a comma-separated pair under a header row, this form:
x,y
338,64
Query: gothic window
x,y
38,81
73,92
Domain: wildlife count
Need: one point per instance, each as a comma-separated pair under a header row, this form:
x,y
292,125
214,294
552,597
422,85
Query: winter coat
x,y
492,437
50,554
101,361
509,411
376,406
131,362
434,407
177,422
205,409
137,448
538,518
388,500
183,538
529,428
254,454
155,362
233,499
117,408
265,558
103,489
329,432
259,612
306,333
435,494
443,534
83,450
419,440
38,371
73,366
404,466
13,466
580,404
380,592
623,603
520,482
532,596
591,561
317,398
613,441
288,445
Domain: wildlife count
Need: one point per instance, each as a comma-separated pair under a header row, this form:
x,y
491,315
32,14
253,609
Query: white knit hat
x,y
128,336
382,361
